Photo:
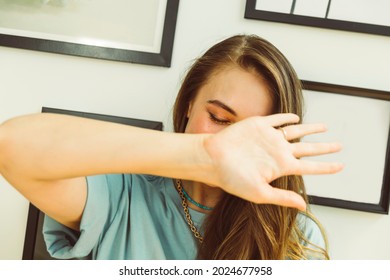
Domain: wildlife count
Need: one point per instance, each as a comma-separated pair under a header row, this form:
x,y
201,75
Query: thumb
x,y
285,198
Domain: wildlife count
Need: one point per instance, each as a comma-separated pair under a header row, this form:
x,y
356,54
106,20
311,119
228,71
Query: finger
x,y
300,130
285,198
313,167
303,149
281,119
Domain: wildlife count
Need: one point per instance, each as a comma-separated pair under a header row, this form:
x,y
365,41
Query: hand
x,y
250,154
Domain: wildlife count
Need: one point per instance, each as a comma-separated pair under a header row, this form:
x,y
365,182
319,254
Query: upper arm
x,y
63,200
25,161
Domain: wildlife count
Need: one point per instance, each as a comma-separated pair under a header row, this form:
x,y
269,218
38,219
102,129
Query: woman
x,y
236,143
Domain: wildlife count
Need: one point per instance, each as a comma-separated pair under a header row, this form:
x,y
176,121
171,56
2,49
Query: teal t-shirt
x,y
135,217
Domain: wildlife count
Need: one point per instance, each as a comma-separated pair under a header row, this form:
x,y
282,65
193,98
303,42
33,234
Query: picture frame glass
x,y
362,11
363,132
365,16
124,24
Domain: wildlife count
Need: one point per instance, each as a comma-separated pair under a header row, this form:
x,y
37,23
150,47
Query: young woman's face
x,y
230,95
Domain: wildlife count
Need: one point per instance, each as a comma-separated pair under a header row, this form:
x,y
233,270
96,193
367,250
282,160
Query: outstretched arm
x,y
46,157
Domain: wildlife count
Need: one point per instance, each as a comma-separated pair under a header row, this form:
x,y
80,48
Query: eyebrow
x,y
223,106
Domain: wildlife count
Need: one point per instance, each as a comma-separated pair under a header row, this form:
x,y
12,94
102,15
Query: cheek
x,y
196,125
201,124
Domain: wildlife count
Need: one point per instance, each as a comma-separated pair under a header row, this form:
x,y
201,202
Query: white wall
x,y
30,80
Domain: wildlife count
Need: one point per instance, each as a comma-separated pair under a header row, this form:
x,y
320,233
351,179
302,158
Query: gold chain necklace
x,y
190,223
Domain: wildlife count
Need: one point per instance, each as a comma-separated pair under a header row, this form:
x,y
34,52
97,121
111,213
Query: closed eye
x,y
218,120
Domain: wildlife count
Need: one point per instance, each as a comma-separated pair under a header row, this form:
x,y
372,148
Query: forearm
x,y
242,159
54,147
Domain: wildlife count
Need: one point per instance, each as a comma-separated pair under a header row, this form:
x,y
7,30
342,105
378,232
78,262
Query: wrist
x,y
203,164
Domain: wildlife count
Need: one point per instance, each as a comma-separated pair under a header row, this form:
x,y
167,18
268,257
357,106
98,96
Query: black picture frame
x,y
34,246
382,207
163,58
252,13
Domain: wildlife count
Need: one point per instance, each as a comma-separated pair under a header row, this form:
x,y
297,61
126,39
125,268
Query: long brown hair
x,y
236,228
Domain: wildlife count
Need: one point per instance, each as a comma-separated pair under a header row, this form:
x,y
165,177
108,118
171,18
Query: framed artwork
x,y
121,30
367,16
360,119
34,244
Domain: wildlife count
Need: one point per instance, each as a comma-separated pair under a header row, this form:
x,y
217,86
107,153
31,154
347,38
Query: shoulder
x,y
312,231
124,180
111,190
148,183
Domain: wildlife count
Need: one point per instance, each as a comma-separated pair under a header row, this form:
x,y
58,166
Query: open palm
x,y
250,154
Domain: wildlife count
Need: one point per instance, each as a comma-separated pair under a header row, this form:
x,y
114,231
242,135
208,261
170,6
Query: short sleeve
x,y
104,193
314,236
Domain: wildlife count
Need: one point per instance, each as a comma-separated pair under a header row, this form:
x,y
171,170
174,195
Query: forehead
x,y
245,92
